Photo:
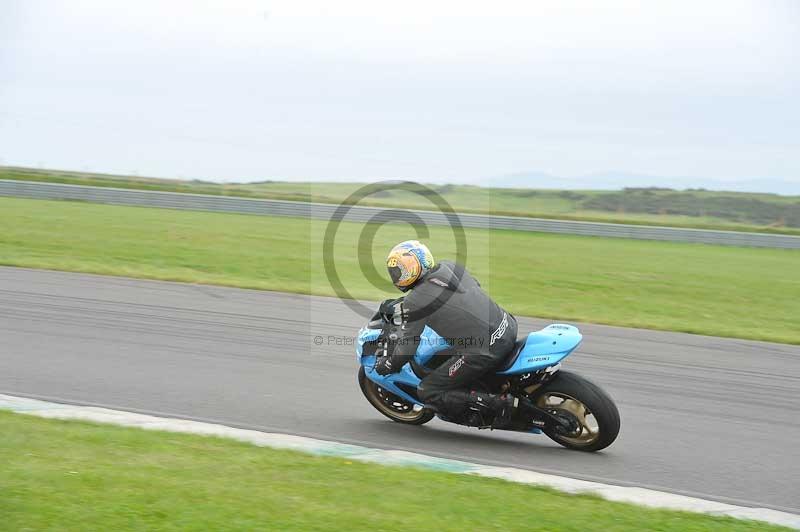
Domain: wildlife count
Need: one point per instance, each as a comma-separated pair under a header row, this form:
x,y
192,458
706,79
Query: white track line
x,y
640,496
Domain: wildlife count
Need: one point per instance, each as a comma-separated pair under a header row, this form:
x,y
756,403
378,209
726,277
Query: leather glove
x,y
383,366
388,307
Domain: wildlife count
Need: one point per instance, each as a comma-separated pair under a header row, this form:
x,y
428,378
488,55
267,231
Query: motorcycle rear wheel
x,y
590,410
390,405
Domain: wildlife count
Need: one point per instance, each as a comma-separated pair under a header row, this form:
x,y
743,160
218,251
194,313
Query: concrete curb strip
x,y
639,496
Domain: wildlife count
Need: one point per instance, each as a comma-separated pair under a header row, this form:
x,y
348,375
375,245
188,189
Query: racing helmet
x,y
408,262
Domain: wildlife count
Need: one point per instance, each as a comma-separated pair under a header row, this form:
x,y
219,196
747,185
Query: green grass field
x,y
715,290
69,475
734,211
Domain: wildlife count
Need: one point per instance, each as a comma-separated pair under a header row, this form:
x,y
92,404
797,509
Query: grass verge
x,y
69,475
716,290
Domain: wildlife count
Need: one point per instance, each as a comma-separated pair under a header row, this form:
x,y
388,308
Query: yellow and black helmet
x,y
407,262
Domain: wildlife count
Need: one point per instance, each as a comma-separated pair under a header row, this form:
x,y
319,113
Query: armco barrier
x,y
322,211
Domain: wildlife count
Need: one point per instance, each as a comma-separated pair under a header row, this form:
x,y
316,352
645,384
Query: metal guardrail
x,y
322,211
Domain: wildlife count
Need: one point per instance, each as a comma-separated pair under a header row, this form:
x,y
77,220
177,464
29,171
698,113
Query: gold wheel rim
x,y
391,404
558,403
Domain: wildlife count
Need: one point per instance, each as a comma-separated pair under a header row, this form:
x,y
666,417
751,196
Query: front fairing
x,y
366,337
396,382
403,383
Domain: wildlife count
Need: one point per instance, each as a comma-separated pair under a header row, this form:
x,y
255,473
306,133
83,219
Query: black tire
x,y
597,404
391,406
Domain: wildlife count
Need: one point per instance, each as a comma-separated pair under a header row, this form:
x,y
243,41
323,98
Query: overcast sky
x,y
701,93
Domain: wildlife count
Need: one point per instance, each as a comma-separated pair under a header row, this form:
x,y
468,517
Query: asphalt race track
x,y
707,417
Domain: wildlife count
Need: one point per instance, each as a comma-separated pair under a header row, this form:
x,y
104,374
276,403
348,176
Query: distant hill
x,y
621,180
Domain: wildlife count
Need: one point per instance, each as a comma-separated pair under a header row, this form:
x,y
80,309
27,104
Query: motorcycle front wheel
x,y
390,405
591,413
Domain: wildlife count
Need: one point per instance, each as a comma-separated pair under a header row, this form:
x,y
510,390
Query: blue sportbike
x,y
568,408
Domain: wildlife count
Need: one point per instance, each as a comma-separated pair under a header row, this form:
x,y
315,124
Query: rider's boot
x,y
490,410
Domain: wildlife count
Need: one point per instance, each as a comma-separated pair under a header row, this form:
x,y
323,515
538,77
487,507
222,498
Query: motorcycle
x,y
568,408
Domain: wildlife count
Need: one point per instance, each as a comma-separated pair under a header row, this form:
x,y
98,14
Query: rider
x,y
446,298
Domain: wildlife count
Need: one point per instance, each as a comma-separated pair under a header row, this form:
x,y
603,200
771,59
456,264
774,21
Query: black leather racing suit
x,y
451,302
